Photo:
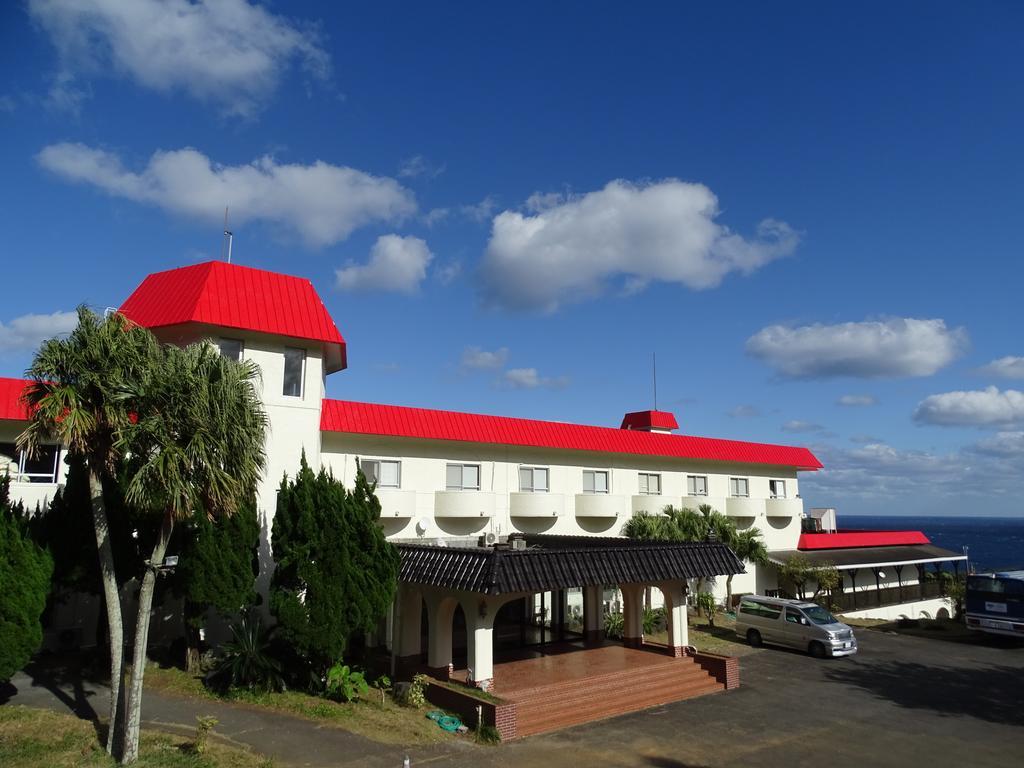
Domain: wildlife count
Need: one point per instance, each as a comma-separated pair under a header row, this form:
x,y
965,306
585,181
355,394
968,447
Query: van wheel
x,y
817,650
754,638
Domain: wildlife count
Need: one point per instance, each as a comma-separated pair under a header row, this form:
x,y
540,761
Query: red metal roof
x,y
848,539
649,420
10,399
400,421
233,296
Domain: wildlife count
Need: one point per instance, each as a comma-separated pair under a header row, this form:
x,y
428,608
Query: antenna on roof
x,y
228,237
654,377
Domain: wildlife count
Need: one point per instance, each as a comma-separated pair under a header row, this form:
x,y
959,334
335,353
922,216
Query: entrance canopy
x,y
870,557
550,563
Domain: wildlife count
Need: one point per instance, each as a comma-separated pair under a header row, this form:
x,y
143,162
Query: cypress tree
x,y
217,569
25,571
335,573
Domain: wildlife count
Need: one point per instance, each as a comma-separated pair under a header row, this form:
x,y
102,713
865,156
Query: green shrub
x,y
614,625
416,696
488,734
246,661
25,571
203,727
654,620
345,684
706,605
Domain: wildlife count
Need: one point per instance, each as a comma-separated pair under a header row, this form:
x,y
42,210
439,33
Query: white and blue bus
x,y
995,603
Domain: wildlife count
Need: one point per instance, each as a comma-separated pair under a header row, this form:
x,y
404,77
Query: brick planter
x,y
725,669
502,715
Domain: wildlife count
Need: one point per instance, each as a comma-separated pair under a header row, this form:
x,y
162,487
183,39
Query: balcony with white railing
x,y
464,504
535,504
601,505
33,494
396,503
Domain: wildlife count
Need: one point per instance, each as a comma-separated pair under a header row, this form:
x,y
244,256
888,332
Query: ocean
x,y
993,543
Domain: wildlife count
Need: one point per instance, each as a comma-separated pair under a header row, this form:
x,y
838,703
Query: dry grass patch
x,y
36,738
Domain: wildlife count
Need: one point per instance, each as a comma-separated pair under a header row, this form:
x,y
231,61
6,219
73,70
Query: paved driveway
x,y
902,701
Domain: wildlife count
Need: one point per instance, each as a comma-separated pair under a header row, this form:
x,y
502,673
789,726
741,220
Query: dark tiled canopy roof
x,y
852,557
560,562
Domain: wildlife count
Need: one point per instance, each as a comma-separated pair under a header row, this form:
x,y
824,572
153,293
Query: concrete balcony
x,y
694,502
464,504
396,503
652,504
783,507
737,506
601,505
526,504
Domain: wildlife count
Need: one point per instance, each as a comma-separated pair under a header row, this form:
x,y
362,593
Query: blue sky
x,y
509,211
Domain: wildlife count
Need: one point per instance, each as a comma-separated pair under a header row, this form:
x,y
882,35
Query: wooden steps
x,y
550,707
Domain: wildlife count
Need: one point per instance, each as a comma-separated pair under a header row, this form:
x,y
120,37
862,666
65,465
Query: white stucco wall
x,y
916,609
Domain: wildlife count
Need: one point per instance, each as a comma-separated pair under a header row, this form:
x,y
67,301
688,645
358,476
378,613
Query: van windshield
x,y
819,615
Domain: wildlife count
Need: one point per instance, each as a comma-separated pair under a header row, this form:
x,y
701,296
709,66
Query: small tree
x,y
750,548
827,577
217,570
335,573
796,570
25,571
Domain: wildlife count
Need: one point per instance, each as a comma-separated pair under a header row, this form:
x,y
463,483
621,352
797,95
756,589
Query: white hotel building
x,y
445,475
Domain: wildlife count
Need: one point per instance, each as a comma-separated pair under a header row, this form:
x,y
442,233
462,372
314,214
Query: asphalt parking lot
x,y
902,701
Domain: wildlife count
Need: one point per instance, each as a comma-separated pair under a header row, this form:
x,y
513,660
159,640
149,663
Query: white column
x,y
480,641
407,639
440,611
675,615
632,614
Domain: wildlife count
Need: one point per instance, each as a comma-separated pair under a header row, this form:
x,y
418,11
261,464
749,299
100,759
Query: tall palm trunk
x,y
728,592
111,597
134,706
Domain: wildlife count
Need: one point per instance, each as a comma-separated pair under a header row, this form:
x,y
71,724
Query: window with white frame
x,y
595,481
232,349
697,485
42,467
294,371
739,486
384,472
533,479
650,484
462,477
777,488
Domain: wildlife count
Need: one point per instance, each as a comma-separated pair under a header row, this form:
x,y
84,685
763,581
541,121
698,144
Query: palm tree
x,y
76,398
749,548
197,442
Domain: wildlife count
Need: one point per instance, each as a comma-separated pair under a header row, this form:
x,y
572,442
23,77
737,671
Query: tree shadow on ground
x,y
66,681
668,762
987,693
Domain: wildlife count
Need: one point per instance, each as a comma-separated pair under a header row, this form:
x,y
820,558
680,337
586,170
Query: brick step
x,y
669,666
602,698
530,723
626,680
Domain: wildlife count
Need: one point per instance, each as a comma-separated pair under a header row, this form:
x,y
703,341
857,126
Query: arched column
x,y
632,615
440,612
593,614
675,616
408,621
480,612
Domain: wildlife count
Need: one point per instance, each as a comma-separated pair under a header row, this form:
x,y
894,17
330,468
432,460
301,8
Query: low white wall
x,y
916,609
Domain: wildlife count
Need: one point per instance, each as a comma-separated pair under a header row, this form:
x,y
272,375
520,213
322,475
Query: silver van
x,y
795,624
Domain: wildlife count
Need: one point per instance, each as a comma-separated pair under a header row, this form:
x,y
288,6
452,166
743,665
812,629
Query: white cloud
x,y
475,358
448,273
320,202
872,349
799,426
745,411
568,248
529,378
418,165
29,331
434,216
1002,444
397,264
854,401
480,212
988,407
1008,367
226,52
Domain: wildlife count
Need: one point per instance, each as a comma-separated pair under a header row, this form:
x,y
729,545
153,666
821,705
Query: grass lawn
x,y
36,738
388,724
718,639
